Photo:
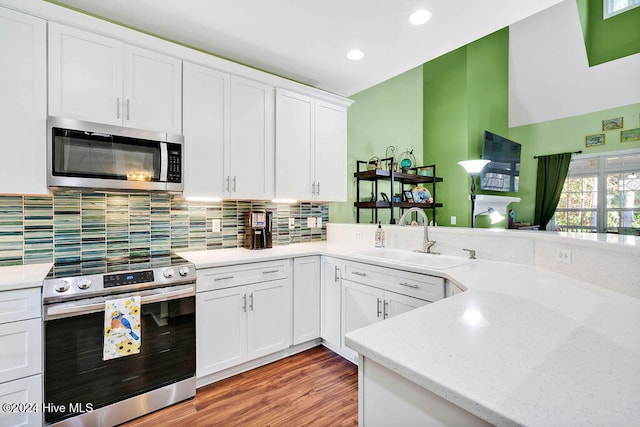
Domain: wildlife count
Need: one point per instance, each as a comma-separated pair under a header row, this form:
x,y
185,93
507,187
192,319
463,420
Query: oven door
x,y
77,380
94,155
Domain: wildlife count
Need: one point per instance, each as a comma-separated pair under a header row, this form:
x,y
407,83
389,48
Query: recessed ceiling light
x,y
355,54
419,17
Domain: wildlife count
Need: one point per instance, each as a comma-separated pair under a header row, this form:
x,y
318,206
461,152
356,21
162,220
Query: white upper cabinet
x,y
23,108
311,145
251,152
205,130
100,79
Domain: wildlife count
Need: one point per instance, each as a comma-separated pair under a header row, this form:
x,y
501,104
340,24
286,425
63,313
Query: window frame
x,y
607,5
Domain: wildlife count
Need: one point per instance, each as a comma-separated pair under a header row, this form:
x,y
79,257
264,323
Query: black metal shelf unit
x,y
408,177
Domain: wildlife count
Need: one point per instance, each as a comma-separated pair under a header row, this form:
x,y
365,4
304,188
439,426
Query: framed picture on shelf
x,y
407,196
384,197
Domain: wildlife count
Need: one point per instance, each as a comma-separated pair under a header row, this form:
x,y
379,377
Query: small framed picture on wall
x,y
594,140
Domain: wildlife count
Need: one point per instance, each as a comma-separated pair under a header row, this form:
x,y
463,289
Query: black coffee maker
x,y
257,229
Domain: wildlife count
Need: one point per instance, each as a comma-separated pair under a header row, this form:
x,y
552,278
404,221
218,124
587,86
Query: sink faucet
x,y
426,243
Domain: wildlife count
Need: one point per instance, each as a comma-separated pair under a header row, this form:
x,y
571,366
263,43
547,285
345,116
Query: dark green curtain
x,y
552,171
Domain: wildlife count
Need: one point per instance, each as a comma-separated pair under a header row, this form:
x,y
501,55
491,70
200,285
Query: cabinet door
x,y
152,90
251,152
363,305
28,391
205,130
23,109
331,152
269,317
331,298
397,304
306,299
294,142
20,349
221,337
85,75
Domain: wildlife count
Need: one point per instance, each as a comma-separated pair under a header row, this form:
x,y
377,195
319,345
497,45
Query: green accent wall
x,y
564,135
608,39
465,92
389,113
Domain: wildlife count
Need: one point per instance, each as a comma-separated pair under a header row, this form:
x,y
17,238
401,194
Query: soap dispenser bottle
x,y
379,237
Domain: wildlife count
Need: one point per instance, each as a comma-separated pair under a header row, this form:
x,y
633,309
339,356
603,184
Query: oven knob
x,y
184,271
62,285
84,283
168,273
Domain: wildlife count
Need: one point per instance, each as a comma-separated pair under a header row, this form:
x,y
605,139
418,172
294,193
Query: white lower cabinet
x,y
24,397
331,302
238,323
306,299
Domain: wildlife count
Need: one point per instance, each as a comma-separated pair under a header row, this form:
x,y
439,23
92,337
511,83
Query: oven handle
x,y
77,308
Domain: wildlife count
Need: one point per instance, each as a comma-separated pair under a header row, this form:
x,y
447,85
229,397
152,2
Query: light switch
x,y
292,223
319,222
311,222
215,225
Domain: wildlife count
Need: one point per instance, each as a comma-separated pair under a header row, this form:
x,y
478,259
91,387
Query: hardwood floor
x,y
313,388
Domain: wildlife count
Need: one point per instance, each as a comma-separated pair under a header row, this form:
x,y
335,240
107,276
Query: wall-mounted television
x,y
502,174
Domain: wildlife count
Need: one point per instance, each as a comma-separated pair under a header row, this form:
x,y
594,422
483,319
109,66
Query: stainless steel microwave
x,y
93,155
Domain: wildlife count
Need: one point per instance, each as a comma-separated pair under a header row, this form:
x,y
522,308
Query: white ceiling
x,y
307,40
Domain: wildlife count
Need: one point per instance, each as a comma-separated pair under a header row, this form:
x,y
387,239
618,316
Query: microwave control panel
x,y
174,174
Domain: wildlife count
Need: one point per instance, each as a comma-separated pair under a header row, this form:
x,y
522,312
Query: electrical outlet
x,y
453,220
319,222
215,225
292,223
311,222
563,255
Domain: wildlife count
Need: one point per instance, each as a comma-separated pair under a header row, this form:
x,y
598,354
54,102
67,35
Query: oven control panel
x,y
120,279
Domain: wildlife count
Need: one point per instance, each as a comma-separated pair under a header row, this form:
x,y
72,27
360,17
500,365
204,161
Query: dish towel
x,y
122,334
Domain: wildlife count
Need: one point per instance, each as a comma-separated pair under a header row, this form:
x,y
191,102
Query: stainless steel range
x,y
82,385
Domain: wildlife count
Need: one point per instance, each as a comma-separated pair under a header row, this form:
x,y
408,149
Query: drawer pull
x,y
223,278
379,301
409,285
357,273
270,271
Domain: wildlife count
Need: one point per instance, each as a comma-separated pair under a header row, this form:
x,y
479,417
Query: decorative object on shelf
x,y
407,196
421,194
473,168
397,198
611,124
407,160
593,140
384,197
390,153
424,171
630,135
374,163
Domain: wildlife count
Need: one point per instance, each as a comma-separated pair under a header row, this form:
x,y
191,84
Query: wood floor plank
x,y
313,388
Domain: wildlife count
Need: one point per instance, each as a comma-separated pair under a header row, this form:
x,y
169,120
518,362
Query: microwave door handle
x,y
164,161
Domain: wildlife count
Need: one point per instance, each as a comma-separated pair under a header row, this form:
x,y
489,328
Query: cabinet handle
x,y
234,183
128,109
117,107
270,271
244,303
226,184
357,273
385,314
409,285
336,273
317,188
251,301
379,301
222,278
313,188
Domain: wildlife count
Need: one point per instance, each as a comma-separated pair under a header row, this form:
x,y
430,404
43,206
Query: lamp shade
x,y
473,167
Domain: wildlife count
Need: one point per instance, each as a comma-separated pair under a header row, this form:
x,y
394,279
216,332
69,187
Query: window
x,y
614,7
601,194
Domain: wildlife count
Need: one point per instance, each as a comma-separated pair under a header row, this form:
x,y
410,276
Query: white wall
x,y
549,75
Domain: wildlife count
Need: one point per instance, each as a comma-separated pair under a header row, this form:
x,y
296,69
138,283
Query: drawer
x,y
20,349
26,391
20,304
242,274
416,285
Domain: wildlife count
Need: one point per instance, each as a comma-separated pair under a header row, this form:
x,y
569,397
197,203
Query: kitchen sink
x,y
434,261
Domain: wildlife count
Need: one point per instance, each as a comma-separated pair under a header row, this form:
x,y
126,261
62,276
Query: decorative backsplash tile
x,y
73,225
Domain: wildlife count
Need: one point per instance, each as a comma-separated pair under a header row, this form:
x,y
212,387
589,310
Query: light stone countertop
x,y
522,346
23,276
